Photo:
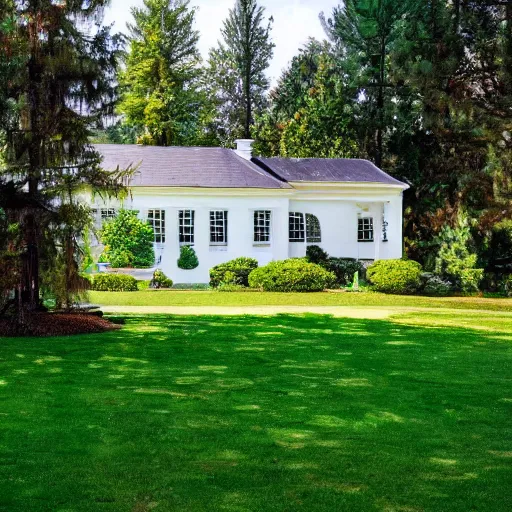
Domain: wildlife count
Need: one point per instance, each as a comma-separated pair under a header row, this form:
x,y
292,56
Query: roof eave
x,y
348,184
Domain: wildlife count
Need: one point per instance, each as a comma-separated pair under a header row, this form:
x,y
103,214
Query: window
x,y
262,219
186,227
218,227
108,214
157,219
365,229
296,229
313,230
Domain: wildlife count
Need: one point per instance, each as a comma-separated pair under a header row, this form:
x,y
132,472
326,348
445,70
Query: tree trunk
x,y
380,104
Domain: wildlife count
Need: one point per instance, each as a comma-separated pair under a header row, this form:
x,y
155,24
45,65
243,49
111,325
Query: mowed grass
x,y
285,413
240,299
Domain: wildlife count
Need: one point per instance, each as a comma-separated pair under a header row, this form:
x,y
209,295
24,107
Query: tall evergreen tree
x,y
309,115
363,33
161,96
237,67
63,85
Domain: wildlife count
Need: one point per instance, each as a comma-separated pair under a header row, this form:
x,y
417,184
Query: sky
x,y
294,22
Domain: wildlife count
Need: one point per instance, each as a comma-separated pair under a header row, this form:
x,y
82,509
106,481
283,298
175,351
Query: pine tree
x,y
161,95
63,86
363,32
237,68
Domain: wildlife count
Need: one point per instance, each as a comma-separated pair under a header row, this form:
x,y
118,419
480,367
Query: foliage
x,y
161,97
294,275
236,69
499,251
322,124
506,285
128,241
188,258
435,286
395,276
344,269
114,283
455,261
160,280
233,272
316,254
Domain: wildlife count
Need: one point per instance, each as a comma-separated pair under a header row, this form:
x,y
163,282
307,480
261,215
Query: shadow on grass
x,y
252,413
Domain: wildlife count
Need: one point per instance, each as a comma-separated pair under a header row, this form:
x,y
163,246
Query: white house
x,y
227,204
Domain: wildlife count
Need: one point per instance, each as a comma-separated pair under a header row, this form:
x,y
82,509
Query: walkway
x,y
336,311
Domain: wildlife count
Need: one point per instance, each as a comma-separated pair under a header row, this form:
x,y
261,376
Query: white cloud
x,y
294,22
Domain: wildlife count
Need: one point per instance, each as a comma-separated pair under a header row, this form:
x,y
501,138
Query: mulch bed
x,y
57,324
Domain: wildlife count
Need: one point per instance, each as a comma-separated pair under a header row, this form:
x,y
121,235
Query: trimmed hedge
x,y
233,272
294,275
114,283
188,258
395,276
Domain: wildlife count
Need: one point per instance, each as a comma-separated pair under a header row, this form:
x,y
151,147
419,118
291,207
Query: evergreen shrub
x,y
316,254
294,275
435,286
188,258
344,269
160,280
401,277
233,272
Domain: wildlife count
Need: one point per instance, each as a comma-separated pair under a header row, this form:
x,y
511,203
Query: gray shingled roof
x,y
341,170
187,167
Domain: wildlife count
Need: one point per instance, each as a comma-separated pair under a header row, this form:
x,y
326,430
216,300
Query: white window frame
x,y
296,227
313,237
262,223
365,226
156,217
218,227
182,217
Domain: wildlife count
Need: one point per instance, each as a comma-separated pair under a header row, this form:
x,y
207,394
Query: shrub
x,y
188,258
295,275
435,286
505,285
395,276
316,254
160,280
233,272
114,283
128,241
470,279
499,253
344,269
455,262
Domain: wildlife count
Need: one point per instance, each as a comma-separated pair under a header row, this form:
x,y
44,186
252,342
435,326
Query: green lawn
x,y
287,413
200,298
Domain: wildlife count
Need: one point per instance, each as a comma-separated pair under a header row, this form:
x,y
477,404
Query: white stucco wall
x,y
336,208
